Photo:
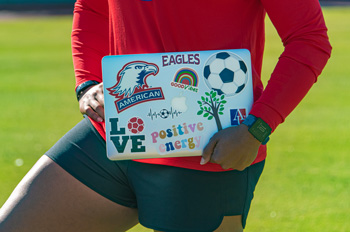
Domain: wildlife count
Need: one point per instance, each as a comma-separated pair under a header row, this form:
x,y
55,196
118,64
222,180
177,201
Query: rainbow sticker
x,y
186,76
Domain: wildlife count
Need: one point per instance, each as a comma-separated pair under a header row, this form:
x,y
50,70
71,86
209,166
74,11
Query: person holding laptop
x,y
74,187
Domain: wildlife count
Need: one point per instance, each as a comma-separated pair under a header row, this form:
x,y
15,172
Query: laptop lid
x,y
171,104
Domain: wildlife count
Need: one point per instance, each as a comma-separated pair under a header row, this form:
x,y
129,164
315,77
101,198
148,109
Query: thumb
x,y
208,151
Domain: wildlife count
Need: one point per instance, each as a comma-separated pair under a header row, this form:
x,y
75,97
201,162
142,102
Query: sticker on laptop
x,y
186,79
225,73
131,87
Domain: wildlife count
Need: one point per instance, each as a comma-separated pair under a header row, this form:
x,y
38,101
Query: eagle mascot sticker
x,y
131,87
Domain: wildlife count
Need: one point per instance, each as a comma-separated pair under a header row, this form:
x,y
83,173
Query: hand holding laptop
x,y
233,147
91,102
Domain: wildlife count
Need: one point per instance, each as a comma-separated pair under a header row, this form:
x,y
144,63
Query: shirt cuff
x,y
267,113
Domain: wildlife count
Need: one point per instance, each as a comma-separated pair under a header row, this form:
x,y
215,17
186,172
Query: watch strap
x,y
83,86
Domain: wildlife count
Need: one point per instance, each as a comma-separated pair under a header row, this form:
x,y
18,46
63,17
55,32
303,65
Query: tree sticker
x,y
211,106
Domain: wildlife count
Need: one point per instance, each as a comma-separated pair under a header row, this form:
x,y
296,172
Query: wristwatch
x,y
258,128
79,90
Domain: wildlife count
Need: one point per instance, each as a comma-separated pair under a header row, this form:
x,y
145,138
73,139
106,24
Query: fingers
x,y
231,148
99,96
93,110
216,156
219,157
92,103
98,110
208,151
231,161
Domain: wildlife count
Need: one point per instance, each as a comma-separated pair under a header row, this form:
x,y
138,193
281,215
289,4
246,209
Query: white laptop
x,y
171,104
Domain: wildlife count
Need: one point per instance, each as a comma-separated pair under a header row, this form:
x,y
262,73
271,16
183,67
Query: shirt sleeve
x,y
303,32
90,39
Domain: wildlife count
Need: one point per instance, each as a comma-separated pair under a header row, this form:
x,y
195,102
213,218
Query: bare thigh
x,y
229,224
50,199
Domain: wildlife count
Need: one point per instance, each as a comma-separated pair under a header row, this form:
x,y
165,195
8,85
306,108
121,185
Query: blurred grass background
x,y
305,185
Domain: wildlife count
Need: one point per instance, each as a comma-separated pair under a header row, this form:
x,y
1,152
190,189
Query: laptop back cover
x,y
170,104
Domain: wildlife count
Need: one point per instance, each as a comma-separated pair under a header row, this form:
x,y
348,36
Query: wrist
x,y
258,128
82,88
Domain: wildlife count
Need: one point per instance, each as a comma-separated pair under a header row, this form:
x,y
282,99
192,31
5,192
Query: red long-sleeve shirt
x,y
113,27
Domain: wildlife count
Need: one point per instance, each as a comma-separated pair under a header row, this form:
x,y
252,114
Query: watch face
x,y
260,129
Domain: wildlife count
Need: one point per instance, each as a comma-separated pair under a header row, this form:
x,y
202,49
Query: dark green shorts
x,y
167,198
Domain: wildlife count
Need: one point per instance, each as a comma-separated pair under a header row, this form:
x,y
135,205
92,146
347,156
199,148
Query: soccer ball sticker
x,y
226,73
136,125
164,113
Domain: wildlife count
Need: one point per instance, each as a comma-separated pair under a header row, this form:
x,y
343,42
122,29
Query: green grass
x,y
37,92
305,185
